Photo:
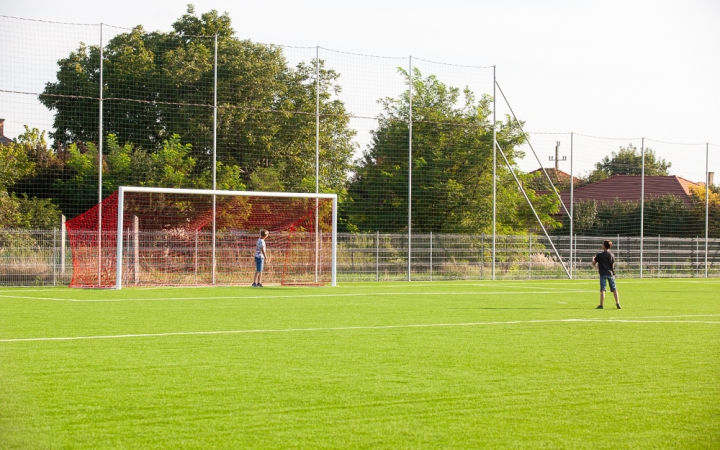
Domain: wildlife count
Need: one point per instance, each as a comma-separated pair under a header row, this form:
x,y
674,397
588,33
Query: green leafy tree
x,y
17,160
452,167
170,166
629,161
159,84
665,215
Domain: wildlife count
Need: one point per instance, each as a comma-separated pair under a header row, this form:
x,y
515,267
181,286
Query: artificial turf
x,y
388,365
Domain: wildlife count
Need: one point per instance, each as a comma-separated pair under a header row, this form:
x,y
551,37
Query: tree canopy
x,y
629,161
452,166
160,84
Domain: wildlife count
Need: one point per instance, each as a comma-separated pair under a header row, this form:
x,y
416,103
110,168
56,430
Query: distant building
x,y
628,188
3,139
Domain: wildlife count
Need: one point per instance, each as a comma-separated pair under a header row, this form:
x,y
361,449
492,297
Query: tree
x,y
160,84
452,166
665,215
17,162
628,161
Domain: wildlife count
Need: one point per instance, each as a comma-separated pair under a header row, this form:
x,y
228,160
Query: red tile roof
x,y
628,188
553,174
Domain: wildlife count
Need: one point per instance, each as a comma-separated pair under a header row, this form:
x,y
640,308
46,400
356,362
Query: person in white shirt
x,y
260,258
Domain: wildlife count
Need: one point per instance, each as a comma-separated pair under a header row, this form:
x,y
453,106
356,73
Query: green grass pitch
x,y
386,365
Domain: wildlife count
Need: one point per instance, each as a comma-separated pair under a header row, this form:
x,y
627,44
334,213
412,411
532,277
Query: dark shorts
x,y
607,279
259,262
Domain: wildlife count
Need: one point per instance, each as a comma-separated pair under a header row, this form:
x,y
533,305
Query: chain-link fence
x,y
42,257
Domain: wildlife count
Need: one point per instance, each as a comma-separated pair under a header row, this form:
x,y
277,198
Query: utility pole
x,y
557,158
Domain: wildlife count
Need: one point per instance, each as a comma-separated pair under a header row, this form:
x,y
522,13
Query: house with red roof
x,y
628,188
3,140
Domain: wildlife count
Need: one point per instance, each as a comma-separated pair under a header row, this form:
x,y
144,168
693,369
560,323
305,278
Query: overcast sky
x,y
607,68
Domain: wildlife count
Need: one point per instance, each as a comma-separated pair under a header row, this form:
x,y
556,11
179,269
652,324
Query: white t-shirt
x,y
259,247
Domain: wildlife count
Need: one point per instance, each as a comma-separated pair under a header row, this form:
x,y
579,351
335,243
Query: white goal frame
x,y
209,192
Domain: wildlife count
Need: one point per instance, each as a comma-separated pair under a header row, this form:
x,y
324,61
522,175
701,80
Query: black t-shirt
x,y
605,263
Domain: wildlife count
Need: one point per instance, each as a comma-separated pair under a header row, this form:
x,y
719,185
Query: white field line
x,y
351,328
364,294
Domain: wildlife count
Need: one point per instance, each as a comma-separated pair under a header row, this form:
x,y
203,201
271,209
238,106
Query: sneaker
x,y
618,306
254,285
599,307
259,285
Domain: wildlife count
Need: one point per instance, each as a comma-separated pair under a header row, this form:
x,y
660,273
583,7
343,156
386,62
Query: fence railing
x,y
43,257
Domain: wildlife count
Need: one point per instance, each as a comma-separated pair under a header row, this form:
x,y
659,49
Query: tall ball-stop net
x,y
168,239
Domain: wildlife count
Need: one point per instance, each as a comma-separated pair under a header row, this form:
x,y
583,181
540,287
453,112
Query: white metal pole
x,y
642,206
431,255
317,158
572,201
54,255
136,249
100,161
494,175
707,202
62,246
410,91
530,256
214,168
377,255
334,240
118,262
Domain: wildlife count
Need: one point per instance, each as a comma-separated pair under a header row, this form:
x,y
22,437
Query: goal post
x,y
180,237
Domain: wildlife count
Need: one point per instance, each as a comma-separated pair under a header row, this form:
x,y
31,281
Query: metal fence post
x,y
572,212
658,264
100,159
642,206
494,175
214,163
482,255
62,247
431,255
530,256
54,255
377,255
697,256
707,202
409,251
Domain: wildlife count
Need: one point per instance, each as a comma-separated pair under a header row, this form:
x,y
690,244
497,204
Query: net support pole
x,y
214,164
494,175
317,157
642,205
120,213
572,201
100,161
333,263
707,203
410,135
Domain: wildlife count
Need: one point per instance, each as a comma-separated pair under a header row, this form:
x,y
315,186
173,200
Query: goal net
x,y
184,237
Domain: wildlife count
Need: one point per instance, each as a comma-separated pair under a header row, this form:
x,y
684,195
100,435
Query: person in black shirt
x,y
605,262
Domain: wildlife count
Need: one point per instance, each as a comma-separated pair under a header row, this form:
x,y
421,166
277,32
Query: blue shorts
x,y
260,261
609,279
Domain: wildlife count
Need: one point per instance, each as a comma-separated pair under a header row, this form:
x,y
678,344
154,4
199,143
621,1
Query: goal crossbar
x,y
122,190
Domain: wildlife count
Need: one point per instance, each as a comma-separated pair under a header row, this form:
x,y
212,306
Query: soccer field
x,y
389,365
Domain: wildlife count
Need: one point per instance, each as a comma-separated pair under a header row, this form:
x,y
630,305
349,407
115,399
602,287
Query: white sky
x,y
606,68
